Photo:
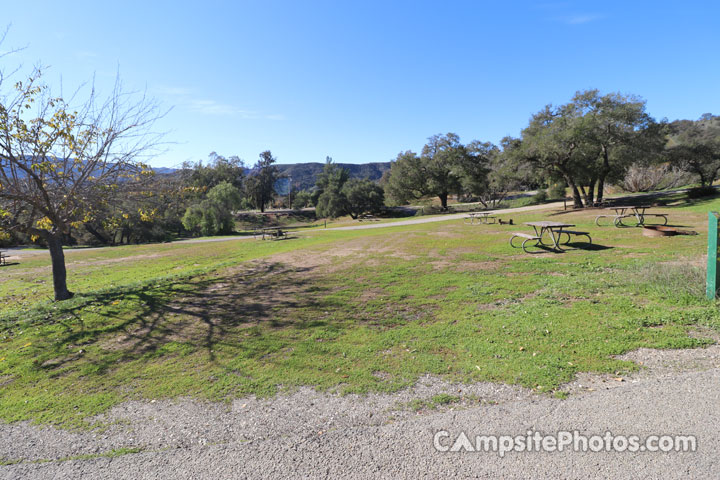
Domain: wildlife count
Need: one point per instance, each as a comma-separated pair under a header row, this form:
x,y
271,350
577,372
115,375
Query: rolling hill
x,y
303,175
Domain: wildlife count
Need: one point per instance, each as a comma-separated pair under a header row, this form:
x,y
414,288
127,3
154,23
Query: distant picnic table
x,y
630,211
544,229
270,232
3,258
479,218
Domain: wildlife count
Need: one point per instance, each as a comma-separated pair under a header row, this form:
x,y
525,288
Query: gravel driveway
x,y
312,435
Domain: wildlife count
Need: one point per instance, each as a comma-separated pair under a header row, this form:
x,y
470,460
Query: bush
x,y
700,192
302,199
556,191
208,218
540,197
648,178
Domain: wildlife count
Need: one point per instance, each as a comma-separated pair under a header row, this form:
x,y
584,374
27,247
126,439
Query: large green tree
x,y
614,131
695,146
589,140
217,170
437,171
260,183
549,143
328,197
213,215
362,196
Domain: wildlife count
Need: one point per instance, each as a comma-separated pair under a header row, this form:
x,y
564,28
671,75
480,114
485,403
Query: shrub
x,y
556,191
302,199
540,197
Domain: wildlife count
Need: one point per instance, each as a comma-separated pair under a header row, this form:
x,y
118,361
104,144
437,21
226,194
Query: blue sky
x,y
361,81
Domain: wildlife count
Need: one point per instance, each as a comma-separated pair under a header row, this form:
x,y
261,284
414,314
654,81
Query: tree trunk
x,y
57,257
590,200
584,194
603,173
703,181
577,199
443,199
600,188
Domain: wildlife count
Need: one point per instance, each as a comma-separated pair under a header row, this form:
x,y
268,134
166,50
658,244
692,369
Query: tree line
x,y
77,172
583,145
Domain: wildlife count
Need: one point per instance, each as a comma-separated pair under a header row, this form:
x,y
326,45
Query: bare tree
x,y
60,166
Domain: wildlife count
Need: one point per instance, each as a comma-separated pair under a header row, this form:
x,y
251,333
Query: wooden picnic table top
x,y
549,224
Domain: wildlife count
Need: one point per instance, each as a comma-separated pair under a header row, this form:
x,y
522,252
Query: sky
x,y
362,81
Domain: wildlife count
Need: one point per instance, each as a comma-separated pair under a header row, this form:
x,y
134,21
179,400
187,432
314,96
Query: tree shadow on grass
x,y
225,310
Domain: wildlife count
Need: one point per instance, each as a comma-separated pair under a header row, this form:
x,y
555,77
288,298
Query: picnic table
x,y
629,211
545,229
3,258
481,217
271,232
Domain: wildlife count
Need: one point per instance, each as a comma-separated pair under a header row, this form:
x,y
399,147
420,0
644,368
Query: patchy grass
x,y
117,452
431,403
345,311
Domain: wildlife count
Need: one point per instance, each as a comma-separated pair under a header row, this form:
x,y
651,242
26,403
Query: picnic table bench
x,y
629,211
554,230
480,217
527,237
272,233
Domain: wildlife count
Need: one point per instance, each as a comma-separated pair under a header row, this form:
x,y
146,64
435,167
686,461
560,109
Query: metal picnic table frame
x,y
628,211
272,232
481,217
551,228
554,229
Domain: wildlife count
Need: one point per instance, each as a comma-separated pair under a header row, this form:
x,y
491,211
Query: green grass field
x,y
346,311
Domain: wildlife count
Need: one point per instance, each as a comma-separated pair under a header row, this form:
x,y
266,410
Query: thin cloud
x,y
184,97
211,107
580,19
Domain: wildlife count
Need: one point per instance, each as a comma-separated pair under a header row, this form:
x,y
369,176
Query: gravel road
x,y
308,434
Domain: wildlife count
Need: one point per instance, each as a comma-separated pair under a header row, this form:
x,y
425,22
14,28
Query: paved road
x,y
20,252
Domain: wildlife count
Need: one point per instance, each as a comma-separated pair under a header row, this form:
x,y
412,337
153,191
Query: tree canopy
x,y
61,165
260,184
695,146
437,171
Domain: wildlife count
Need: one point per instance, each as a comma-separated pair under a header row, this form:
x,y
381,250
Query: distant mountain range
x,y
304,175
